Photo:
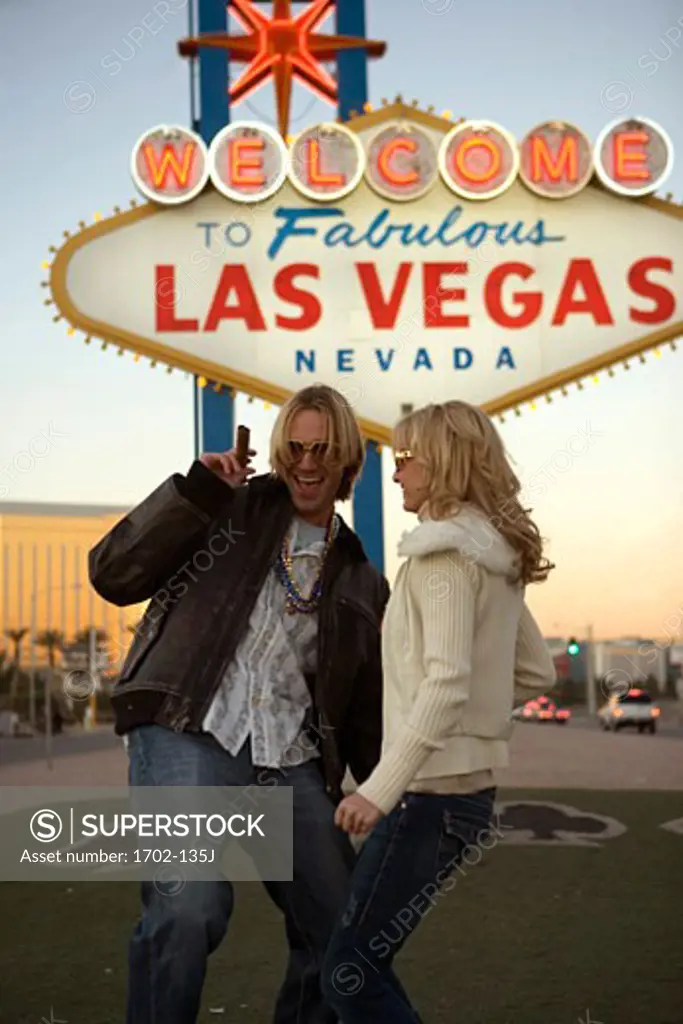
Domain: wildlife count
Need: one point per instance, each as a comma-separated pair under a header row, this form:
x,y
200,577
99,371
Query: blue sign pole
x,y
368,514
215,415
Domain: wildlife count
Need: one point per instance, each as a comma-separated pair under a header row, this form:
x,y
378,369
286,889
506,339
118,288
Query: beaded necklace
x,y
295,600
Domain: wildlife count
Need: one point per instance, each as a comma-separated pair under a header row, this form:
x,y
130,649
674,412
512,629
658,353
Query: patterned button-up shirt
x,y
263,693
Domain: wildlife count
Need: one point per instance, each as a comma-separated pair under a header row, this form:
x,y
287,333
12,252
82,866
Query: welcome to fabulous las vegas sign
x,y
398,256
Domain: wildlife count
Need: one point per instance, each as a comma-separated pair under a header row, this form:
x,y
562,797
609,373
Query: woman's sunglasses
x,y
402,456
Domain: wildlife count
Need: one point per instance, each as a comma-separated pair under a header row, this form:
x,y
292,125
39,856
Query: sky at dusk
x,y
82,81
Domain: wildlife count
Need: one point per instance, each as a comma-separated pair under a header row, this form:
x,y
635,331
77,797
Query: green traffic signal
x,y
573,647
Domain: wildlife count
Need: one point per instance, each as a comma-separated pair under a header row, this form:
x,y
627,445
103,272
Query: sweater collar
x,y
469,532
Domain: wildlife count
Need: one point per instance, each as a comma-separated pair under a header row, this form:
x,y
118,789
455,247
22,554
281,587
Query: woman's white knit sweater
x,y
459,646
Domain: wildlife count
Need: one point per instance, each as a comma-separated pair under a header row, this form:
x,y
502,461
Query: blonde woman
x,y
458,645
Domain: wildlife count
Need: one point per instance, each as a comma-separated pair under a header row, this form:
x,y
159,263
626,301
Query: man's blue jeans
x,y
410,859
176,933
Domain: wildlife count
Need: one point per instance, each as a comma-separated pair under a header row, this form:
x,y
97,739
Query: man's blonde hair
x,y
466,464
343,434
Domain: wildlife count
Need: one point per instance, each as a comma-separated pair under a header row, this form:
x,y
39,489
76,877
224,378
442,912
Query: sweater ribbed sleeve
x,y
534,666
442,589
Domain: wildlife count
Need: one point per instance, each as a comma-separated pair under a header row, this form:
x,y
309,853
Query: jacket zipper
x,y
358,609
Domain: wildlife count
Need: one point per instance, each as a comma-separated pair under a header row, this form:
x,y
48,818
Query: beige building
x,y
44,558
630,662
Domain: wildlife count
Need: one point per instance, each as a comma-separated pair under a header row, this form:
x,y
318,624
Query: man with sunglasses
x,y
257,663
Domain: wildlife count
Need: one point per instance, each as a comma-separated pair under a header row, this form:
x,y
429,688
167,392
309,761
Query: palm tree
x,y
53,641
83,636
6,681
16,636
3,672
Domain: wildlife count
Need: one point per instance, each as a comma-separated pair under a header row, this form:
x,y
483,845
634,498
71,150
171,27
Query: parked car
x,y
635,709
542,709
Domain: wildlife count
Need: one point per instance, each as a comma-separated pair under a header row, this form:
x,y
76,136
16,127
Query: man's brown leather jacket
x,y
200,551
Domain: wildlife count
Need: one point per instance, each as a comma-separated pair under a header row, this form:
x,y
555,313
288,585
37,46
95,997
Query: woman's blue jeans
x,y
410,860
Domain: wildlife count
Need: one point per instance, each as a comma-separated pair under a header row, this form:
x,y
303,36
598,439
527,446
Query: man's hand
x,y
226,466
356,815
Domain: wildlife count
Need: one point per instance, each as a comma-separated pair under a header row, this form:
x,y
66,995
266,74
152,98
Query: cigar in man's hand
x,y
242,448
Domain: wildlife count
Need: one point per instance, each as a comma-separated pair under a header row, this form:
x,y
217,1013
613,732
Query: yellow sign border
x,y
277,395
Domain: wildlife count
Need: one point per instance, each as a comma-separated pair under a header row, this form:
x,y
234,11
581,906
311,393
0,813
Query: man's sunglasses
x,y
320,450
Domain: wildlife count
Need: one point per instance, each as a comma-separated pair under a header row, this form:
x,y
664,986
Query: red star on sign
x,y
284,48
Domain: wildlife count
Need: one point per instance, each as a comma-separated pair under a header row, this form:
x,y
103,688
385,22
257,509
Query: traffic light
x,y
573,647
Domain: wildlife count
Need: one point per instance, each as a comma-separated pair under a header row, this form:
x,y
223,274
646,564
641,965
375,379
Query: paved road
x,y
670,723
76,741
17,751
578,756
667,729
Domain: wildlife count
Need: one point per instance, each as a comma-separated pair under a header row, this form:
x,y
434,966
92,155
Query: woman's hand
x,y
356,815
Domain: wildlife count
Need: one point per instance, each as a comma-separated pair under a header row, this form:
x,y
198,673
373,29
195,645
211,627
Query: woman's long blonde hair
x,y
466,464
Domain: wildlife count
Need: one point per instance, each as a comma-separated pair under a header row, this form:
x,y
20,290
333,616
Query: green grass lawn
x,y
530,936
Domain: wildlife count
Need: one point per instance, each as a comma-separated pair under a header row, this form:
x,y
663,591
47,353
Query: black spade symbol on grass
x,y
535,822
